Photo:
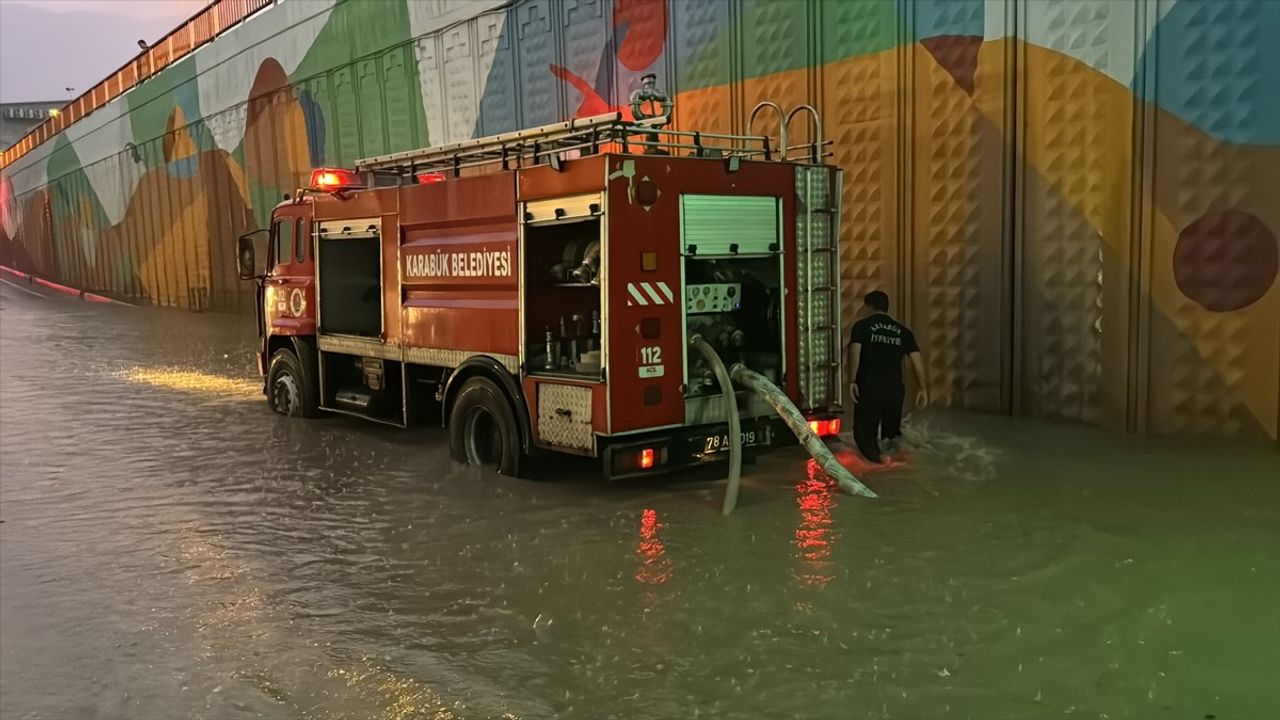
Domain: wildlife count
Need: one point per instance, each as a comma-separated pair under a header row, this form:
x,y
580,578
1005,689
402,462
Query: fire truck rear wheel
x,y
482,428
289,390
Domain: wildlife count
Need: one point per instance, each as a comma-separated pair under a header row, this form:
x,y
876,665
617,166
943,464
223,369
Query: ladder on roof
x,y
591,135
522,147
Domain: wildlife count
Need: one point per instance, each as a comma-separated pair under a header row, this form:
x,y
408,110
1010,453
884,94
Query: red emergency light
x,y
334,179
430,178
822,428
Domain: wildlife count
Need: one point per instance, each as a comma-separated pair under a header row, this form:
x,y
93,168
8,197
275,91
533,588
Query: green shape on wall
x,y
364,53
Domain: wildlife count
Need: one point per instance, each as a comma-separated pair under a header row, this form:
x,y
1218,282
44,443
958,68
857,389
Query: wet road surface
x,y
170,549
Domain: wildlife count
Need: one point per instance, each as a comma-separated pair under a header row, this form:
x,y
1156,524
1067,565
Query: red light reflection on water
x,y
652,553
814,536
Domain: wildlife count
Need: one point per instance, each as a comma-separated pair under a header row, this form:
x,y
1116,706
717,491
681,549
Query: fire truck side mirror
x,y
246,257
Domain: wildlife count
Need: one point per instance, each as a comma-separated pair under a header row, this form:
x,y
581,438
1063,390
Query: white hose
x,y
735,423
790,414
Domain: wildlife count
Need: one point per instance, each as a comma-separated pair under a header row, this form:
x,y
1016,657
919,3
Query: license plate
x,y
720,443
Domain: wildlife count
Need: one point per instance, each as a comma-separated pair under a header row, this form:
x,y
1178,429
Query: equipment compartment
x,y
562,267
349,259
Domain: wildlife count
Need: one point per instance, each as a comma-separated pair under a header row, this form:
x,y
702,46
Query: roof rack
x,y
548,143
517,147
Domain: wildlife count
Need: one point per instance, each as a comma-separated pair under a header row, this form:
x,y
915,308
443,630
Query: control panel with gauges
x,y
713,298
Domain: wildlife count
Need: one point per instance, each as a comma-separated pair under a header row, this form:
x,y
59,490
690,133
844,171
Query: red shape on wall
x,y
640,31
1226,260
592,103
270,79
646,31
958,55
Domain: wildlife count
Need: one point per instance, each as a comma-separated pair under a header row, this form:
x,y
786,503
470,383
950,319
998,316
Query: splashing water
x,y
944,453
960,456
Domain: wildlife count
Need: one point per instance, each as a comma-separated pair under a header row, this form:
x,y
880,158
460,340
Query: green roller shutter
x,y
712,223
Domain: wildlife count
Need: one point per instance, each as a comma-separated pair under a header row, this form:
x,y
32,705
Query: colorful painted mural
x,y
1073,201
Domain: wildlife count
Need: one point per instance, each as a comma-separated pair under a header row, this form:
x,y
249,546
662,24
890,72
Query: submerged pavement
x,y
170,548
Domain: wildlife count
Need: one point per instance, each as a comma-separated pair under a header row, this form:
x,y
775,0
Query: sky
x,y
47,46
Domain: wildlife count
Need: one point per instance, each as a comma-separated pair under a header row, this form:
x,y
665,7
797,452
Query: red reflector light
x,y
822,428
646,458
430,178
331,179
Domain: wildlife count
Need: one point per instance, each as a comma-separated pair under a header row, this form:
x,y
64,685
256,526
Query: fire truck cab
x,y
539,289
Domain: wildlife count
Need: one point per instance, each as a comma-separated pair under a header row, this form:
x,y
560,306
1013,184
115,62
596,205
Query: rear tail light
x,y
646,458
823,428
430,178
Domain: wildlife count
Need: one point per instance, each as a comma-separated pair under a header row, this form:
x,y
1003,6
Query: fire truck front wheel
x,y
482,428
289,389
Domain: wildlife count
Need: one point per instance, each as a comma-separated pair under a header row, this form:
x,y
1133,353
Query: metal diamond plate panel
x,y
347,114
564,416
372,136
947,251
460,96
703,61
1193,393
325,146
397,81
1208,368
583,25
540,97
862,135
63,242
1215,60
641,36
775,49
489,42
498,93
1212,359
427,52
1062,291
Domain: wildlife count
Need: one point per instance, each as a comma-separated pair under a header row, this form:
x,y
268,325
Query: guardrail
x,y
203,27
58,287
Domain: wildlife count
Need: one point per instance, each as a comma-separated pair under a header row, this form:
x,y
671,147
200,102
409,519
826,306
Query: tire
x,y
291,391
482,428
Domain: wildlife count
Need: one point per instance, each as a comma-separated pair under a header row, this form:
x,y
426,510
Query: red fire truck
x,y
538,289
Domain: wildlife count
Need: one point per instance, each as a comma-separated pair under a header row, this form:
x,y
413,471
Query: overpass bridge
x,y
1073,202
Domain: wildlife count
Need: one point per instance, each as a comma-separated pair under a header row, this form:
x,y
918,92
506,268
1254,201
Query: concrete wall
x,y
1073,202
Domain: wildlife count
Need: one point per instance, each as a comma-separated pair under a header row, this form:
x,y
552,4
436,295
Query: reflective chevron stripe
x,y
644,293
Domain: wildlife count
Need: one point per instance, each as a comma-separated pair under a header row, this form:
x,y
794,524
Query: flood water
x,y
170,549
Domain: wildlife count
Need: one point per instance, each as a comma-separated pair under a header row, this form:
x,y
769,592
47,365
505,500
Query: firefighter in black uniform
x,y
877,346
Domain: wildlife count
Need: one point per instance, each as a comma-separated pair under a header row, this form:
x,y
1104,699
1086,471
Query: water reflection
x,y
654,567
815,535
397,697
193,381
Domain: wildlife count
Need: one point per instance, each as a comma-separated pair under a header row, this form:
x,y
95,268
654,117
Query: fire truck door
x,y
289,302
